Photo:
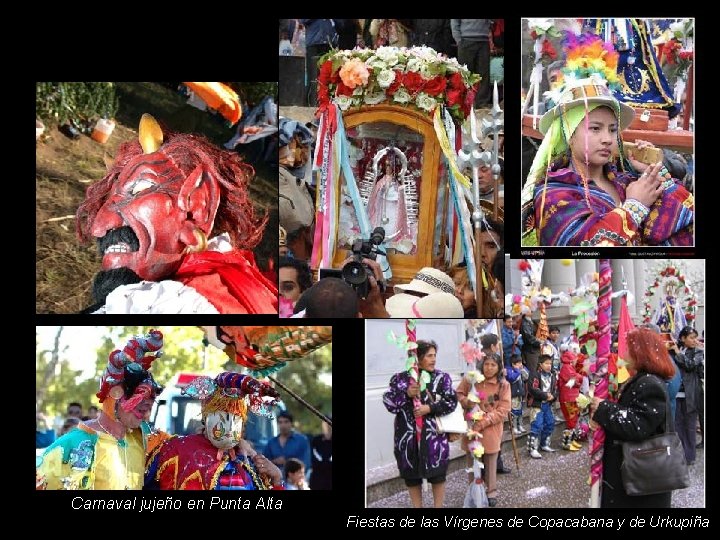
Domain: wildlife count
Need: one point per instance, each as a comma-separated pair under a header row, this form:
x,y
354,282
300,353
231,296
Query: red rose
x,y
395,84
343,90
469,99
412,81
454,97
548,49
456,81
435,86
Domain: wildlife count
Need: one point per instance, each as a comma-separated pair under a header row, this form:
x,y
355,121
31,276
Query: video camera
x,y
356,273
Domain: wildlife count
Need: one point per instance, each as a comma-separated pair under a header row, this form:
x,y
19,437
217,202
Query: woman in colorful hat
x,y
109,451
577,192
219,458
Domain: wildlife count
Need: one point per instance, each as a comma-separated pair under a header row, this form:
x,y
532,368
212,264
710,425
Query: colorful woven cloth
x,y
568,221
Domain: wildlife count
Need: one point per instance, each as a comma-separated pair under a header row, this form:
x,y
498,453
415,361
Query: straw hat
x,y
428,281
439,305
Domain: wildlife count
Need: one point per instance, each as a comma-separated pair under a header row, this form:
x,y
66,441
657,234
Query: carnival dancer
x,y
152,215
109,451
219,458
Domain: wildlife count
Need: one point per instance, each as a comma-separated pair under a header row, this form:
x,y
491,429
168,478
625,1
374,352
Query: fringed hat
x,y
128,375
233,393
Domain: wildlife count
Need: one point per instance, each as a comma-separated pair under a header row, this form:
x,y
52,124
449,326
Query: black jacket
x,y
638,414
536,396
692,370
527,331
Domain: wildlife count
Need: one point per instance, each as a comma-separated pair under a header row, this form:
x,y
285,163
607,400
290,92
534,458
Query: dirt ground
x,y
65,168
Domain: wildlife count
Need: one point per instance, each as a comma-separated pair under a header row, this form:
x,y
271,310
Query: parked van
x,y
177,414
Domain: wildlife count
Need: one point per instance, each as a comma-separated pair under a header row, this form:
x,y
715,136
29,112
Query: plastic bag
x,y
476,497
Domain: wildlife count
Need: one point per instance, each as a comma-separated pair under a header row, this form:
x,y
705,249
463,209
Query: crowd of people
x,y
518,370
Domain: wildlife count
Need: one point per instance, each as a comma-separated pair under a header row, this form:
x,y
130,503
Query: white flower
x,y
388,54
375,98
401,96
344,102
414,64
541,24
425,71
376,63
358,91
425,102
385,78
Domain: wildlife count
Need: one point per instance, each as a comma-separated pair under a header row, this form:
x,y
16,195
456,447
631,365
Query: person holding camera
x,y
421,452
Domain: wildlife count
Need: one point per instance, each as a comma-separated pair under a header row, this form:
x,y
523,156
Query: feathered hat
x,y
233,393
127,373
586,81
589,75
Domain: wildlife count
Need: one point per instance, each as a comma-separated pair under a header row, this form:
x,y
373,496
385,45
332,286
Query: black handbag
x,y
655,465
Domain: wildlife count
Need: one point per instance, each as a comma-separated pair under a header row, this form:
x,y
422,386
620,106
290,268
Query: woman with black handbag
x,y
420,450
638,415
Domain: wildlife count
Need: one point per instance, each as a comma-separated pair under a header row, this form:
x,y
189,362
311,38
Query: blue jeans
x,y
544,422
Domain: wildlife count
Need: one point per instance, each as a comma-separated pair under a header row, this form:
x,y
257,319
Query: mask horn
x,y
150,134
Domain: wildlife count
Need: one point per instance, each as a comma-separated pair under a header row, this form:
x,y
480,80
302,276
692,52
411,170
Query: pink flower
x,y
354,73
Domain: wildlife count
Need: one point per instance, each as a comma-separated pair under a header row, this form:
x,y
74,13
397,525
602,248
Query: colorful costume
x,y
560,207
151,216
88,459
426,456
569,382
569,221
208,461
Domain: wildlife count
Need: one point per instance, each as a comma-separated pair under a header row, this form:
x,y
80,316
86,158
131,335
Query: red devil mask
x,y
159,206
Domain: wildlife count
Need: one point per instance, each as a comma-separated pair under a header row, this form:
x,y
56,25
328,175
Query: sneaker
x,y
522,429
535,454
546,448
516,431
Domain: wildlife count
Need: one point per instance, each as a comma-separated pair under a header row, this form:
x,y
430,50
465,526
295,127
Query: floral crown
x,y
417,76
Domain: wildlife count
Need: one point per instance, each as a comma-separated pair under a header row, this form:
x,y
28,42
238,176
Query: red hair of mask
x,y
649,354
235,214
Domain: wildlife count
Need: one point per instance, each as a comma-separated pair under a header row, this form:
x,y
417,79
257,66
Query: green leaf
x,y
424,380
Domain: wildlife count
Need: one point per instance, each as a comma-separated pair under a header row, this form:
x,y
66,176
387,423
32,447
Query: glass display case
x,y
395,158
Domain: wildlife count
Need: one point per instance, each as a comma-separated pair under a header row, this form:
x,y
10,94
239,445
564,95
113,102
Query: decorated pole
x,y
492,129
414,371
599,377
472,155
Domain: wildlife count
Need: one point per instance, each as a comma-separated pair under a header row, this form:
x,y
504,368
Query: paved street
x,y
558,480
